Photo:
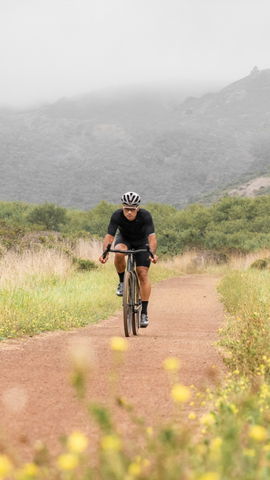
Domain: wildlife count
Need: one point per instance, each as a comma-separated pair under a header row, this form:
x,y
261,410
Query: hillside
x,y
91,147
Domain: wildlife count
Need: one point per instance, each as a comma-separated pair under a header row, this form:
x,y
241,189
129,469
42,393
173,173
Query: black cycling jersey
x,y
134,231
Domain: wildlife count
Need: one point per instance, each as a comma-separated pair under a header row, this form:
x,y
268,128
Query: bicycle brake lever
x,y
149,250
108,248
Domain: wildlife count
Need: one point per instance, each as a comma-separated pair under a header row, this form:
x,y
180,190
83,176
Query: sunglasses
x,y
130,209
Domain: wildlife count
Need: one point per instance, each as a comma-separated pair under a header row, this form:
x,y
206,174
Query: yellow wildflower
x,y
210,476
149,431
216,443
111,442
180,393
234,408
5,466
134,469
258,433
77,442
207,419
68,461
192,415
171,364
118,344
29,470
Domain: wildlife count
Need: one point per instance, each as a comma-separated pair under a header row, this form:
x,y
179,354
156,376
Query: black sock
x,y
144,308
121,277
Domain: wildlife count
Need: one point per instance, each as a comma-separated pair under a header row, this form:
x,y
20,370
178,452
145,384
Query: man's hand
x,y
155,259
104,260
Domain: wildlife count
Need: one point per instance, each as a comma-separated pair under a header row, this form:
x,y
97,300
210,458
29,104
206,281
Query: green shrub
x,y
86,265
260,264
49,215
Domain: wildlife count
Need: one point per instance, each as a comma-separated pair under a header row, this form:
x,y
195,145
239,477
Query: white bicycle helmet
x,y
131,199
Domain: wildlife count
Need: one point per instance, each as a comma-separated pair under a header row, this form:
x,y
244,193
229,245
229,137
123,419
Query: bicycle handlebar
x,y
127,252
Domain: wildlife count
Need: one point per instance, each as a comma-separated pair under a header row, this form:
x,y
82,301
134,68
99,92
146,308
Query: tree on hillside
x,y
49,215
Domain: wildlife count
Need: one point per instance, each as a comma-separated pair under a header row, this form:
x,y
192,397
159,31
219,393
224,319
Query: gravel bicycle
x,y
132,303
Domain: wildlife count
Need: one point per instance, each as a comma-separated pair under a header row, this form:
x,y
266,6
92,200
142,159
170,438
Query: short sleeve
x,y
149,224
113,225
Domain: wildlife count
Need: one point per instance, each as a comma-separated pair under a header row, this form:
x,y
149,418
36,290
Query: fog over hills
x,y
81,150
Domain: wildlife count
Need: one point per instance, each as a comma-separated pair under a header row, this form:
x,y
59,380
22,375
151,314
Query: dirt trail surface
x,y
37,400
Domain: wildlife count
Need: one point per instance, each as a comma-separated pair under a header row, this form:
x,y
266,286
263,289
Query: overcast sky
x,y
55,48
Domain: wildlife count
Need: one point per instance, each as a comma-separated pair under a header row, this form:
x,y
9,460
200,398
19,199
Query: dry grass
x,y
90,250
14,267
181,263
243,261
194,262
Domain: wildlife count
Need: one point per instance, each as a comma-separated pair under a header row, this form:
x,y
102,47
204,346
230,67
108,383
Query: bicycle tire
x,y
128,304
137,303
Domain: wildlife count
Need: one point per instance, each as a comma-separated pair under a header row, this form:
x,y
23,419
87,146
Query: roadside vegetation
x,y
217,434
233,224
58,288
51,280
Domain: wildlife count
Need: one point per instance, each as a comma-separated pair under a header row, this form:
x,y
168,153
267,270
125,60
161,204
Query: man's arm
x,y
107,239
113,225
153,245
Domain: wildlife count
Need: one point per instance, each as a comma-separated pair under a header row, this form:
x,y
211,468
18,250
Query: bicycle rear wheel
x,y
128,303
136,310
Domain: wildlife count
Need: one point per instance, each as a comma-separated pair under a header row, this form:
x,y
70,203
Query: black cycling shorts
x,y
142,258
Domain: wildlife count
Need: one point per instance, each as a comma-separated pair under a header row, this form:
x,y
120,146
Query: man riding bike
x,y
136,229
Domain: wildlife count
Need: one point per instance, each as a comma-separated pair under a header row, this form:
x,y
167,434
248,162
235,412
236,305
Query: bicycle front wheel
x,y
128,302
137,307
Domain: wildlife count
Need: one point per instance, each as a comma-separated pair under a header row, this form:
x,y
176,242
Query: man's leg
x,y
120,265
145,290
144,283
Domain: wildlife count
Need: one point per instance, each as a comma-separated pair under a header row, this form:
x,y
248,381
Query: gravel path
x,y
36,397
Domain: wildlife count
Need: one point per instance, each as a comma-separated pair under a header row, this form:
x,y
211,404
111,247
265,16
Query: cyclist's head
x,y
130,199
130,204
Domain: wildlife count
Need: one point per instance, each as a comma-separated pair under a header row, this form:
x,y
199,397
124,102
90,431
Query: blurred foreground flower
x,y
134,469
111,442
210,476
5,466
180,393
118,344
82,363
171,364
77,442
68,461
30,470
216,443
258,433
207,419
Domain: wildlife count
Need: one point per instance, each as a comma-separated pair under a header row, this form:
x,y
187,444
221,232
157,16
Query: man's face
x,y
130,212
